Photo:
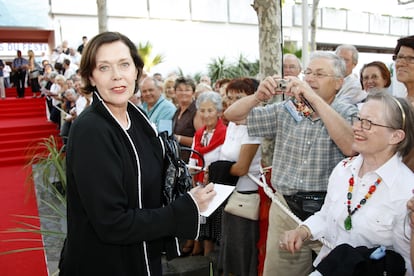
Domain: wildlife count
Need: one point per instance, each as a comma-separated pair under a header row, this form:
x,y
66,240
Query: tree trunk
x,y
102,16
314,25
270,53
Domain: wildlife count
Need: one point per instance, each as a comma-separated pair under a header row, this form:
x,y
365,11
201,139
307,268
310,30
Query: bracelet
x,y
178,138
308,232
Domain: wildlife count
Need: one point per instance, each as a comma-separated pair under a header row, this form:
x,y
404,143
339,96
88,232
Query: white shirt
x,y
236,136
54,90
381,221
351,90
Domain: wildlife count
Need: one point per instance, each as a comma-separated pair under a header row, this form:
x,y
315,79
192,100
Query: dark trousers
x,y
19,79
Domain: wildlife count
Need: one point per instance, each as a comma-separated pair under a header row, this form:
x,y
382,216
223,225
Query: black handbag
x,y
345,260
177,177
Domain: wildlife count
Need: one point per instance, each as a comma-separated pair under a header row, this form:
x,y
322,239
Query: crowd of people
x,y
342,160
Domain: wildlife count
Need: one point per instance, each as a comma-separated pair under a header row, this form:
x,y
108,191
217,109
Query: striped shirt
x,y
304,154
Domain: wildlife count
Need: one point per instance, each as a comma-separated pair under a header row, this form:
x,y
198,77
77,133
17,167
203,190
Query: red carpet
x,y
22,124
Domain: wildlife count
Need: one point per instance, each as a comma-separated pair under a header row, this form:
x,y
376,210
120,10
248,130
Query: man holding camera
x,y
312,133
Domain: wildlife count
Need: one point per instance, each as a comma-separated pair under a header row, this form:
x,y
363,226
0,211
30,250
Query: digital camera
x,y
281,84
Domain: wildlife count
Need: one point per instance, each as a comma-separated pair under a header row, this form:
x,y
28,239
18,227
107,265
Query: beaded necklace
x,y
372,189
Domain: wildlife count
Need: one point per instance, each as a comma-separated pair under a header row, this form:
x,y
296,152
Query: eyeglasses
x,y
291,67
366,124
399,58
318,75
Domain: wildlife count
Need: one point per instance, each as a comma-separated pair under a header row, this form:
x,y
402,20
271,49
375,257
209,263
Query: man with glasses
x,y
351,90
307,147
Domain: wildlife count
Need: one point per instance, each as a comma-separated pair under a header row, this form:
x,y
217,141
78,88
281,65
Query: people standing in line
x,y
351,90
115,218
159,110
186,120
2,88
34,74
82,46
238,251
19,67
365,204
375,75
309,142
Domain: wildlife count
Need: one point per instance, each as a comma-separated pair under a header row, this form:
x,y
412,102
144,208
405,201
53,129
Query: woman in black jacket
x,y
116,222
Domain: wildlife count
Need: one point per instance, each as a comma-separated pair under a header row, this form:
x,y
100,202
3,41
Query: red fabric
x,y
265,203
217,139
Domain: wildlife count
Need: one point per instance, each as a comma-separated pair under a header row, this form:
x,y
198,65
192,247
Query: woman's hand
x,y
203,195
293,240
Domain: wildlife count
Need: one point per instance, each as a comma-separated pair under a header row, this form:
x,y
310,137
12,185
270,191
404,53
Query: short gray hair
x,y
338,64
294,57
211,96
351,48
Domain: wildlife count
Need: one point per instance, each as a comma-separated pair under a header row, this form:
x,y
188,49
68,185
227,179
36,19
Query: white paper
x,y
222,193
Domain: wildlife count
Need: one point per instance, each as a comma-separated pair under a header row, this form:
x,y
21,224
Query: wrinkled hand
x,y
203,195
410,207
267,89
299,89
292,240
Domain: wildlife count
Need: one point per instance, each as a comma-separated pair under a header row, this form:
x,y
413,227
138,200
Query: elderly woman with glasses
x,y
366,196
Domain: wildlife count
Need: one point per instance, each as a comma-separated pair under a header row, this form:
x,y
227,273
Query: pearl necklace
x,y
372,189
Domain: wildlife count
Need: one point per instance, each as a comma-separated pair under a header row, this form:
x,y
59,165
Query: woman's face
x,y
377,140
209,114
115,74
169,90
372,78
234,95
405,70
184,94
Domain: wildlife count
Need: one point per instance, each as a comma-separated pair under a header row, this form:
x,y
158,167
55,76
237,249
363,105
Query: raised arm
x,y
238,111
339,129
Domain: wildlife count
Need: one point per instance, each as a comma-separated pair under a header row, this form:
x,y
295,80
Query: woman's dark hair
x,y
246,85
88,61
407,41
399,114
186,81
385,73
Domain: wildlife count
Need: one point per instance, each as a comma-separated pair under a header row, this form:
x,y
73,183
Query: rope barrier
x,y
272,195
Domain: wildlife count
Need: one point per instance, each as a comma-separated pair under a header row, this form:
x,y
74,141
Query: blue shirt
x,y
162,110
18,62
1,68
